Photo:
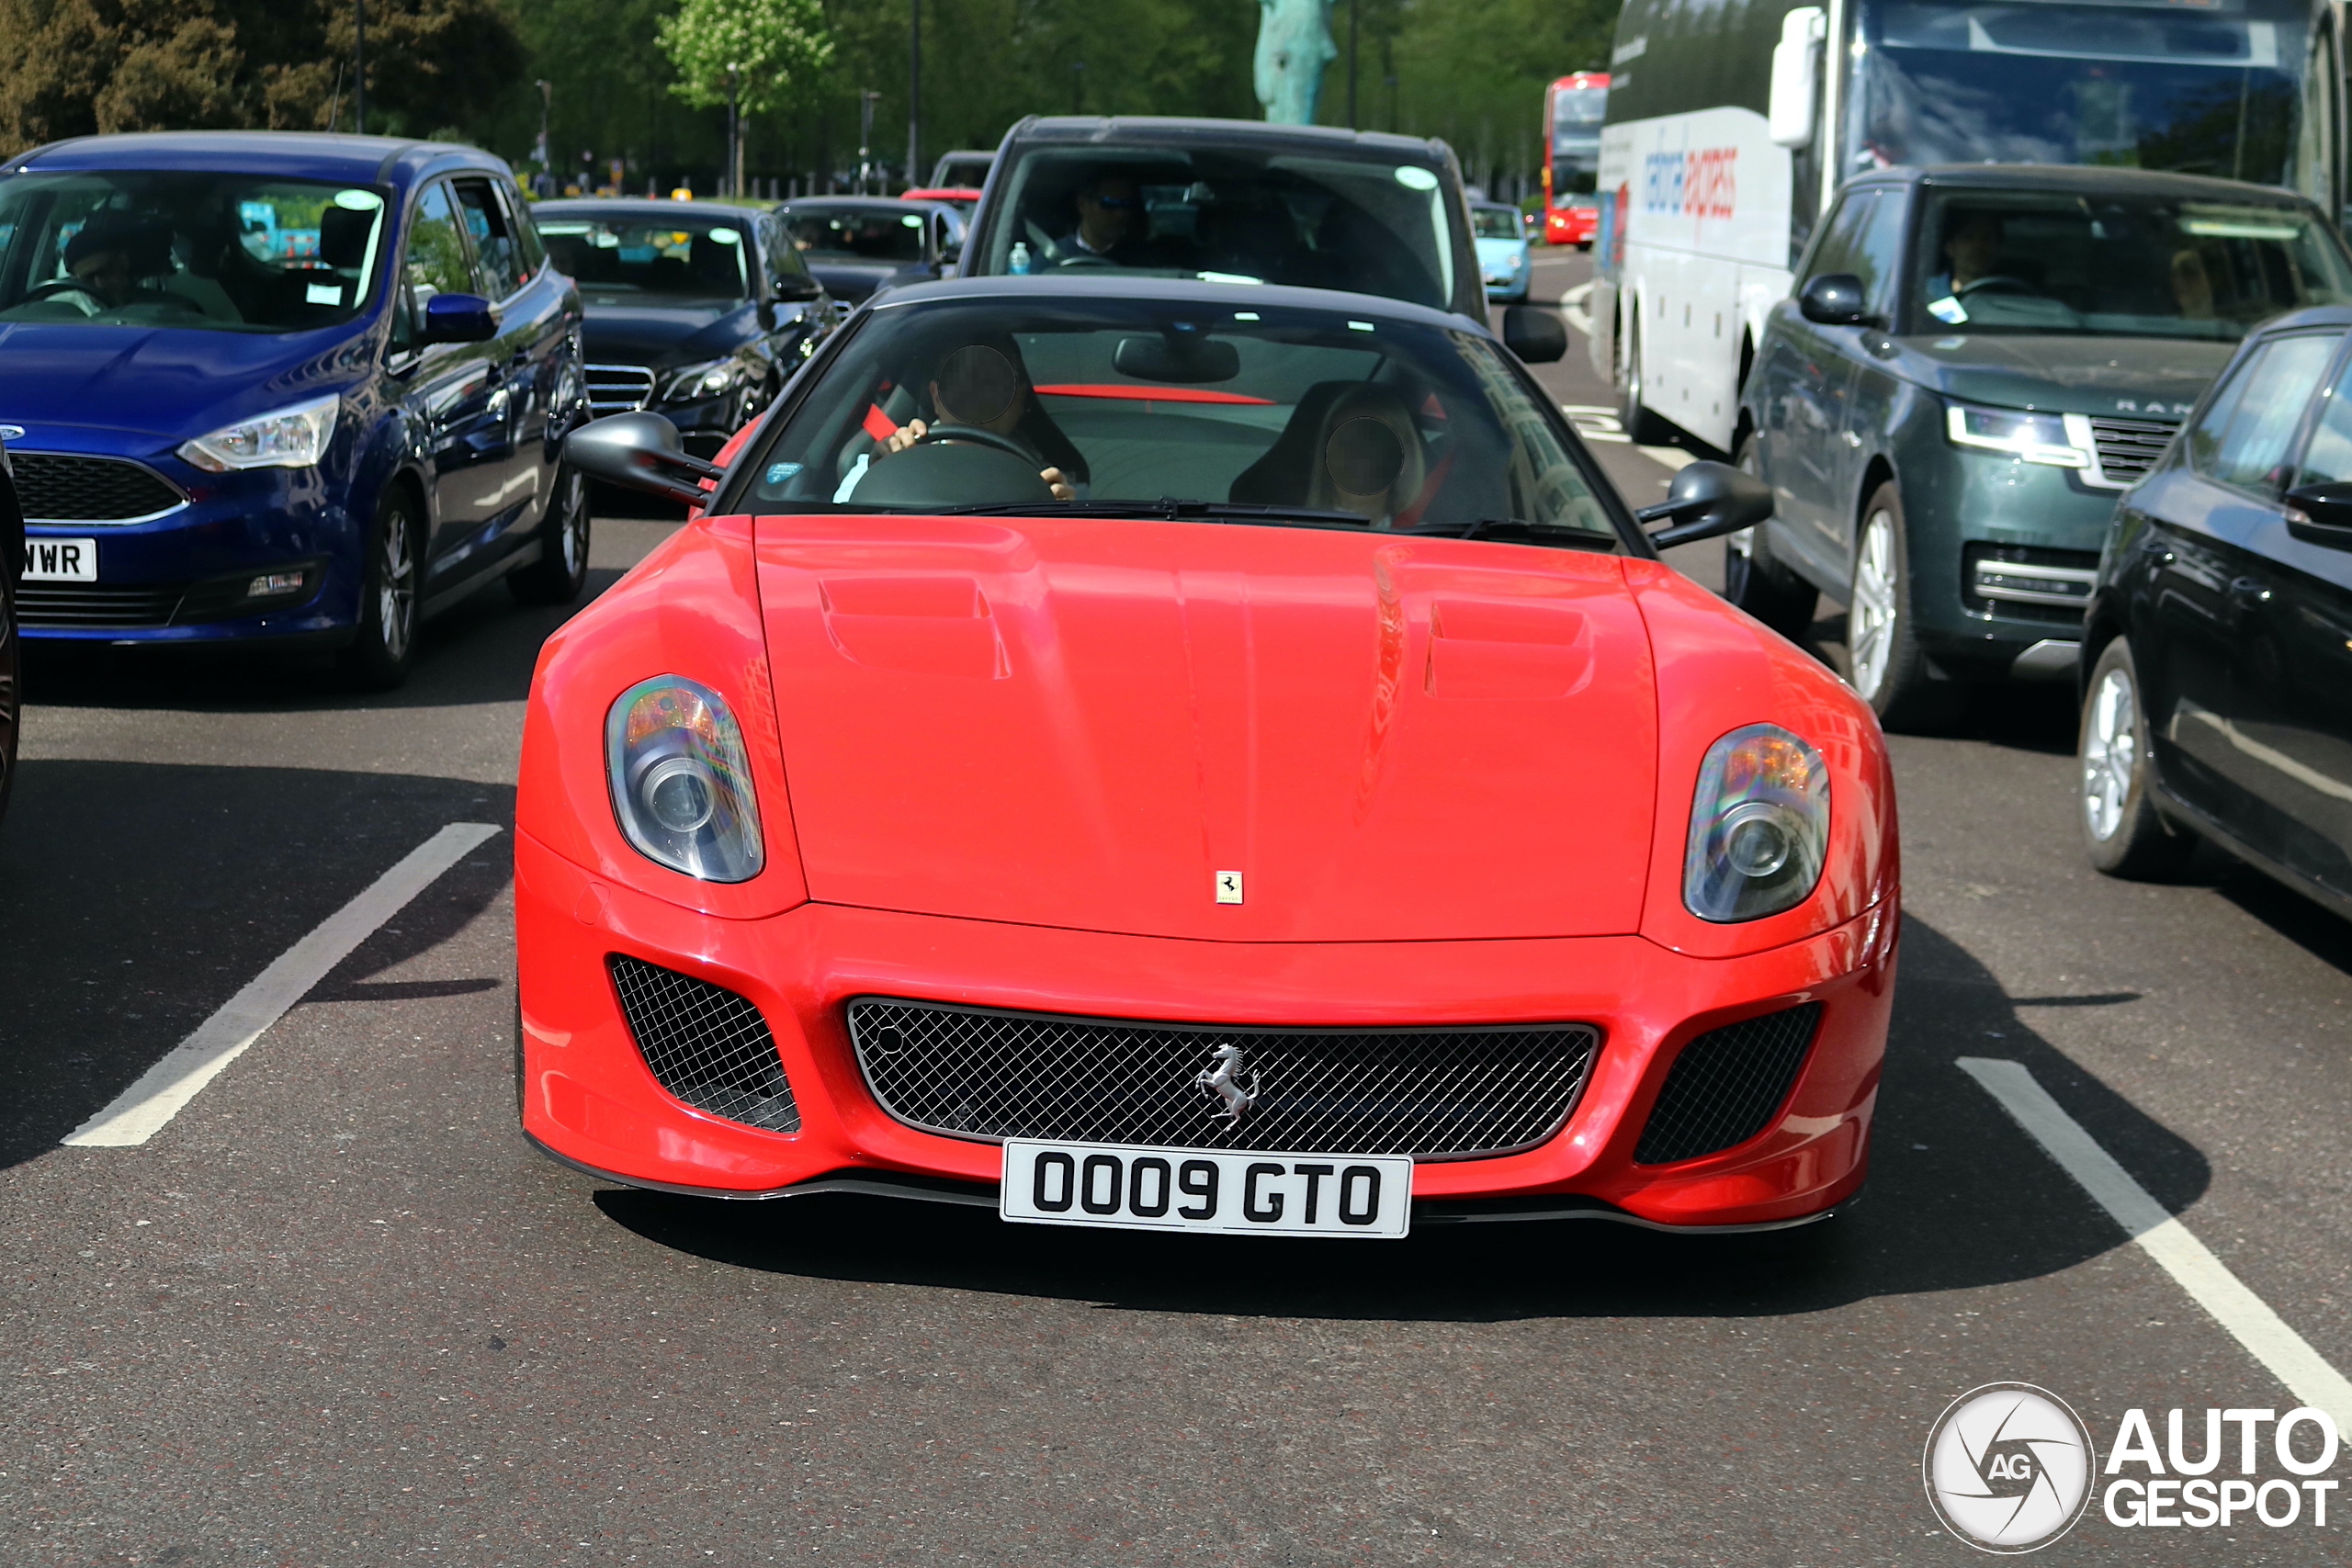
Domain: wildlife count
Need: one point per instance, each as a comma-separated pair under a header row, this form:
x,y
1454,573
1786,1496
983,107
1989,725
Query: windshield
x,y
682,257
1577,113
868,233
2171,87
1497,224
2002,261
1067,405
222,253
1234,214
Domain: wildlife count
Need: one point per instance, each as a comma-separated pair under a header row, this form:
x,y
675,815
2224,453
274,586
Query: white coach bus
x,y
1731,122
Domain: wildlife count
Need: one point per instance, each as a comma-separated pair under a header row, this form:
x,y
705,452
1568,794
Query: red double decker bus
x,y
1573,107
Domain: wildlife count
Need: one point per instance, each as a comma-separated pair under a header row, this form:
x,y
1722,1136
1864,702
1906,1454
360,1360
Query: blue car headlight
x,y
293,437
680,787
1759,826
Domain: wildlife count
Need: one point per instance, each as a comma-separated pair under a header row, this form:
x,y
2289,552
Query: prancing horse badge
x,y
1229,888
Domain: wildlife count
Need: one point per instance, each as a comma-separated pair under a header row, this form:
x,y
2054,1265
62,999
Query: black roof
x,y
2075,178
1229,296
1183,132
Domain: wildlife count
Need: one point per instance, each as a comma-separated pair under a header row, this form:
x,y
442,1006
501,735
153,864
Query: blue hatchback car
x,y
282,388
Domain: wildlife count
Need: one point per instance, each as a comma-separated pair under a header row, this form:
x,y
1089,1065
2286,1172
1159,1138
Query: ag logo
x,y
2008,1468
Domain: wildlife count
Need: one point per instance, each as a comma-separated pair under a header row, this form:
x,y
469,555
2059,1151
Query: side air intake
x,y
1726,1085
704,1044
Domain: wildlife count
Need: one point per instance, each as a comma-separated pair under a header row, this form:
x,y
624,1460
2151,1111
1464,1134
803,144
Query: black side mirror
x,y
1706,501
2321,514
1535,333
639,451
460,318
1834,299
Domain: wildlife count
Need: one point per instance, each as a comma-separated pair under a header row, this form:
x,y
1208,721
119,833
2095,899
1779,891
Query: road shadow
x,y
1960,1198
137,897
2318,931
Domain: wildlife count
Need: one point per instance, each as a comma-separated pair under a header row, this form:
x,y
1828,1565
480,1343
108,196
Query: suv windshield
x,y
856,229
681,257
2163,86
1330,219
1037,406
222,253
2025,261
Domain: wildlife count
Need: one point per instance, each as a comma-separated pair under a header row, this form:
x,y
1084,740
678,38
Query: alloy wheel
x,y
396,586
1870,619
2110,755
571,539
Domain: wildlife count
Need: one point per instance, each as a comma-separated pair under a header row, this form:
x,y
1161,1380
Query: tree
x,y
745,55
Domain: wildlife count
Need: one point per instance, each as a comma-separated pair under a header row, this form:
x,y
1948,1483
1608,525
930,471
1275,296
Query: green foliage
x,y
757,51
75,67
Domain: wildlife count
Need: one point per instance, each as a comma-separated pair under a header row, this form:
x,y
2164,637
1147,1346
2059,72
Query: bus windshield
x,y
2194,88
1576,115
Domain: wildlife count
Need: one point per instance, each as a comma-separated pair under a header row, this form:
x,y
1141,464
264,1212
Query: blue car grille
x,y
98,605
56,488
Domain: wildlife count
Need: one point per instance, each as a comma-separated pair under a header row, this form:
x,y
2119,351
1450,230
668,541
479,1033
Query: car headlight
x,y
680,787
290,438
2030,437
1760,825
707,379
1511,262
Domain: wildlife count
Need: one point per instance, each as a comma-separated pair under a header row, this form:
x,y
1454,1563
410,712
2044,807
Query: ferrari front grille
x,y
56,487
1726,1085
1430,1093
707,1045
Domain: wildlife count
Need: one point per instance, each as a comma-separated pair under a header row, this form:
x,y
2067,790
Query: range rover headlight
x,y
1760,825
682,790
2029,437
292,437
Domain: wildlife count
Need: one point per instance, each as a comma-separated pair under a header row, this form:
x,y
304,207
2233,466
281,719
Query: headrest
x,y
342,236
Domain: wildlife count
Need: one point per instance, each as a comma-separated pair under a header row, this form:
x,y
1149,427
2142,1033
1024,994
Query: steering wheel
x,y
1086,258
972,435
1997,283
63,286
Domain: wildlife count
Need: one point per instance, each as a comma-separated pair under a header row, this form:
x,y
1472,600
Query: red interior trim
x,y
1150,394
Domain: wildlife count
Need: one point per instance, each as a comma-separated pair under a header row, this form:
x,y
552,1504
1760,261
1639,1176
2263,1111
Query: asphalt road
x,y
337,1312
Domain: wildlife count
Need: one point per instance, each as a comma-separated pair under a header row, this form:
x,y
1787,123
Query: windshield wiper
x,y
1169,510
1519,528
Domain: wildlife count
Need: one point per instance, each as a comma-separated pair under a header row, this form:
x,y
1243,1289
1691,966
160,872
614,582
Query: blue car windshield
x,y
1043,405
210,251
2198,89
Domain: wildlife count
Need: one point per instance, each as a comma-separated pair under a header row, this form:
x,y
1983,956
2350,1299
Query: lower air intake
x,y
704,1044
1724,1086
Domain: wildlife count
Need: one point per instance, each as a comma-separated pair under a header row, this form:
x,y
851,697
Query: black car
x,y
2218,641
1230,201
12,683
698,313
856,244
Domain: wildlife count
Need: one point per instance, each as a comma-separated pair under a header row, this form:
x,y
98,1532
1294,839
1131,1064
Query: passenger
x,y
2192,287
1108,207
981,385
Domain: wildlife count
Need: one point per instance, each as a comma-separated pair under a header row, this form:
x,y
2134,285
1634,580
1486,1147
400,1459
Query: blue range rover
x,y
283,387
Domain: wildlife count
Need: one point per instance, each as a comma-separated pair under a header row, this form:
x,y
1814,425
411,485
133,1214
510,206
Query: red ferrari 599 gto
x,y
1182,755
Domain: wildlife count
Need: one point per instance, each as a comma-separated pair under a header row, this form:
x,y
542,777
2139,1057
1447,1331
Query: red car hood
x,y
1082,723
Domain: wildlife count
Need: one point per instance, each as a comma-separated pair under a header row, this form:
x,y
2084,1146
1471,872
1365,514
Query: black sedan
x,y
698,313
856,244
12,557
2218,702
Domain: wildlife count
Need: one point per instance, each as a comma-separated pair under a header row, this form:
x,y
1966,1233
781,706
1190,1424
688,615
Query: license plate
x,y
1210,1191
61,561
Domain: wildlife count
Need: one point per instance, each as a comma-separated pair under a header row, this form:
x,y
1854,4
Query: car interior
x,y
678,259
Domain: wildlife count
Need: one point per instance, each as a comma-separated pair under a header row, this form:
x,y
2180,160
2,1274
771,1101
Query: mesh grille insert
x,y
57,488
1432,1093
707,1045
99,604
1724,1086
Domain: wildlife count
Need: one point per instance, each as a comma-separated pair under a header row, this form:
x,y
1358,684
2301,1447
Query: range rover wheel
x,y
1757,583
2125,836
1886,663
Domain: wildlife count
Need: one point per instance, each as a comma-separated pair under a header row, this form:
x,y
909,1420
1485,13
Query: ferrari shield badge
x,y
1229,888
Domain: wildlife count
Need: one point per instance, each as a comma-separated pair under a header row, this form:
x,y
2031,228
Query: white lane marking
x,y
1572,308
2193,1266
1595,422
141,1110
1672,457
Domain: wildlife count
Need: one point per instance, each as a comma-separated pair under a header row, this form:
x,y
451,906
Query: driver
x,y
99,259
1108,205
981,385
1971,244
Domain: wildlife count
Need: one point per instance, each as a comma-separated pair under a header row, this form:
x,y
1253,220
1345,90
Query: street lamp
x,y
914,93
360,67
734,134
547,102
865,102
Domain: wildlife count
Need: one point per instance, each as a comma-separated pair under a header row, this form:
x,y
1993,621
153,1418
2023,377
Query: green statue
x,y
1293,46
